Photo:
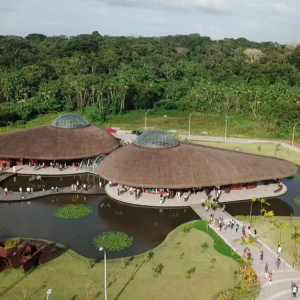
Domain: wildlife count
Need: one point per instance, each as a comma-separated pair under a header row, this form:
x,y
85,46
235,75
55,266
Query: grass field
x,y
269,149
272,236
70,278
214,124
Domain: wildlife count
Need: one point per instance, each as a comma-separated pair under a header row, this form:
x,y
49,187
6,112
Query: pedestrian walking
x,y
270,278
262,256
5,190
249,225
236,227
31,190
294,291
52,189
255,232
278,261
279,251
266,270
223,209
56,189
231,226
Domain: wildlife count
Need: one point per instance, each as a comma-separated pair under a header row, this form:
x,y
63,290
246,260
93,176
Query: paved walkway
x,y
146,199
285,144
15,196
281,284
46,171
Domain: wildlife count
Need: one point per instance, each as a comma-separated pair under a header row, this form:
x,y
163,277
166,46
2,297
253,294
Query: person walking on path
x,y
5,190
294,291
249,225
279,251
262,256
223,209
278,261
266,270
270,278
236,227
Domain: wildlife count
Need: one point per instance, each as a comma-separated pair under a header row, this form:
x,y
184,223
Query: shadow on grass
x,y
127,283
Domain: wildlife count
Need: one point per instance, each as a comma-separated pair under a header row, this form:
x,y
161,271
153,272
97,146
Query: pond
x,y
13,183
282,206
148,226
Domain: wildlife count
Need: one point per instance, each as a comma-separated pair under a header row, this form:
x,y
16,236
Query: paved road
x,y
281,284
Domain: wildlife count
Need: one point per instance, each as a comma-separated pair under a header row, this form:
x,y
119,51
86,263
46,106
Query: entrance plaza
x,y
153,200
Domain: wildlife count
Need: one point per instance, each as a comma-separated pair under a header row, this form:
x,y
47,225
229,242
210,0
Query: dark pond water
x,y
34,219
282,206
13,183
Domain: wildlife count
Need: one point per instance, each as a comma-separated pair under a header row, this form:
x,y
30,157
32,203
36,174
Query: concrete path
x,y
153,200
15,196
282,279
285,144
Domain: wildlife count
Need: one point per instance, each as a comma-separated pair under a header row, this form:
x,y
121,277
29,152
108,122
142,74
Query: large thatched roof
x,y
155,162
69,137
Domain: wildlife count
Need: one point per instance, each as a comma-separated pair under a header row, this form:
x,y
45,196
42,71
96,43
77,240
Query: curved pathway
x,y
15,196
282,279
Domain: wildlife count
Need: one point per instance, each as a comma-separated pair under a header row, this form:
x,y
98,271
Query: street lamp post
x,y
105,286
146,119
190,126
49,293
226,128
294,134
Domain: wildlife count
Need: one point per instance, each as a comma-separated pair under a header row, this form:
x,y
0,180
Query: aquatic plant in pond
x,y
72,211
295,177
297,201
113,240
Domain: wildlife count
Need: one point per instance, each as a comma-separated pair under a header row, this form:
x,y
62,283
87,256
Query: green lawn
x,y
269,149
69,276
214,124
272,236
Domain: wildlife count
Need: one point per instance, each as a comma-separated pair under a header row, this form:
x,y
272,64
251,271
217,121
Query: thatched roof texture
x,y
188,165
68,138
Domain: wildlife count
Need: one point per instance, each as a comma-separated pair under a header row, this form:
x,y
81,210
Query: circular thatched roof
x,y
189,165
69,137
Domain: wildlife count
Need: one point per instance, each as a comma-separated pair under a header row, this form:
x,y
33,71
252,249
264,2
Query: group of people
x,y
78,186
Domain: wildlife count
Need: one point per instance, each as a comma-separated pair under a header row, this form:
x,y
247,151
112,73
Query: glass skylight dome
x,y
156,139
70,121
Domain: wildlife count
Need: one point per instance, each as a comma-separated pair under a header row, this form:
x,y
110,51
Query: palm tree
x,y
248,241
262,202
296,238
281,226
272,221
252,201
267,214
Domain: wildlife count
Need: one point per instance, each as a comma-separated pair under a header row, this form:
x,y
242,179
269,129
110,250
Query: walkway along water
x,y
15,196
281,283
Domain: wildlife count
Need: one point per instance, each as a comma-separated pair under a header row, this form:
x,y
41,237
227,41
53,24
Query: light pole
x,y
146,119
226,127
190,126
49,293
105,287
294,134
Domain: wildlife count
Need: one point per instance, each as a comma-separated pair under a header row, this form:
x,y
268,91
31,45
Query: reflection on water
x,y
13,183
282,206
148,226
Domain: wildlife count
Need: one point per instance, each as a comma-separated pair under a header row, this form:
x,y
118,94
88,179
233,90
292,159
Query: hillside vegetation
x,y
110,75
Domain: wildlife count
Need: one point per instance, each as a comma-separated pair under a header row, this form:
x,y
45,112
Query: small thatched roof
x,y
57,143
188,165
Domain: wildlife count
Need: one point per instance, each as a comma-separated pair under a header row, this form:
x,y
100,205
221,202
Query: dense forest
x,y
111,75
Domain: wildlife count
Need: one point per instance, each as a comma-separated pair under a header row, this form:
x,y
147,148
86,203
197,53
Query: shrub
x,y
157,270
190,272
247,218
148,256
91,263
297,201
204,246
187,227
125,262
12,243
113,240
72,211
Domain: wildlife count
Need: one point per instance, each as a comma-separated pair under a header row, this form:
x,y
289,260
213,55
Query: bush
x,y
113,241
297,201
12,243
148,256
72,211
157,270
187,227
190,272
